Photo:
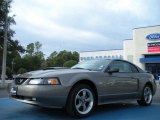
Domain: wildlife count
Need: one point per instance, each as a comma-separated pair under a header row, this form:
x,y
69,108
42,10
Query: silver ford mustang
x,y
88,84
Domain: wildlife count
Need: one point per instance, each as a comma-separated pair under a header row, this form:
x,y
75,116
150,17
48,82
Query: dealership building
x,y
143,50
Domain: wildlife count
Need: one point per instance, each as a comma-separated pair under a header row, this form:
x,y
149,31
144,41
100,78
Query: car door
x,y
122,84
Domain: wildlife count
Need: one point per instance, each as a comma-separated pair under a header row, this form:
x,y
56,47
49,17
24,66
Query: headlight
x,y
44,81
36,81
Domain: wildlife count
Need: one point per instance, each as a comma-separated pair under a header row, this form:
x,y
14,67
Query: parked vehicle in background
x,y
88,84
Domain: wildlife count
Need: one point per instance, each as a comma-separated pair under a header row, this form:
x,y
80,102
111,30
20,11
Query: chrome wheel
x,y
84,101
147,94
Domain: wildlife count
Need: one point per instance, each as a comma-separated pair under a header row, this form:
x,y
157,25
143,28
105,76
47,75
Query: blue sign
x,y
153,36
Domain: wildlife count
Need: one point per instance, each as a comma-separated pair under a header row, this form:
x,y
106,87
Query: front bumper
x,y
41,95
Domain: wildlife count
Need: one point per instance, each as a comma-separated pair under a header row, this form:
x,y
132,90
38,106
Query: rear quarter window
x,y
134,68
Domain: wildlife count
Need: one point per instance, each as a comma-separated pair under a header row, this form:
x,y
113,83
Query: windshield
x,y
95,65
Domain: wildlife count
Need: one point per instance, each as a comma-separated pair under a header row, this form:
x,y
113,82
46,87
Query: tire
x,y
81,101
147,96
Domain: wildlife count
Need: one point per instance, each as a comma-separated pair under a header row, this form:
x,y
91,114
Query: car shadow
x,y
115,107
102,110
14,110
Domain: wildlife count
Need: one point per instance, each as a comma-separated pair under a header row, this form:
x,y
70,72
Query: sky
x,y
81,25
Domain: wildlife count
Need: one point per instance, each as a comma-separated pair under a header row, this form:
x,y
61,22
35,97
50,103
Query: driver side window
x,y
123,67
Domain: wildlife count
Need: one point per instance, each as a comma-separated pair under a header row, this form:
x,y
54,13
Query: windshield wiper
x,y
78,68
81,68
50,68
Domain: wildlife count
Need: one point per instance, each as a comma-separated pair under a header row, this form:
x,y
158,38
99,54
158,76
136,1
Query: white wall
x,y
128,50
103,54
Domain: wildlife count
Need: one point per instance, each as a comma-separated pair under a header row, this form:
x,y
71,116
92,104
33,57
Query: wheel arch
x,y
87,82
149,84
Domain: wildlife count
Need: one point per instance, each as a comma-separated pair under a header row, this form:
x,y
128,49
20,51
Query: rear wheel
x,y
147,96
81,101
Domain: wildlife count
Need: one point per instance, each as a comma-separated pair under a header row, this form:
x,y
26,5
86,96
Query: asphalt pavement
x,y
4,93
14,110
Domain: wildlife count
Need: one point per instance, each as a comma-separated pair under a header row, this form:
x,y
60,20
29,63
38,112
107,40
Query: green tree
x,y
70,63
75,56
50,59
13,46
58,59
9,72
17,64
21,70
38,46
30,49
34,58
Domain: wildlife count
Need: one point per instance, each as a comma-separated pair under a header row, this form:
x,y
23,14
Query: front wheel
x,y
147,96
81,101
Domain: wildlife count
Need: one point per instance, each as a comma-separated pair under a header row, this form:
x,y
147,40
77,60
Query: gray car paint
x,y
109,87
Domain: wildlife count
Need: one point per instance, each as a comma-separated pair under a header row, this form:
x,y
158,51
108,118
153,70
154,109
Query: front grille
x,y
19,81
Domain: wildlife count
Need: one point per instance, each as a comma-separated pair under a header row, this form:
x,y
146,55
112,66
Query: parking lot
x,y
14,110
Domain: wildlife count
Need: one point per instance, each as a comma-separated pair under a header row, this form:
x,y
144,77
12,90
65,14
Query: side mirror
x,y
114,70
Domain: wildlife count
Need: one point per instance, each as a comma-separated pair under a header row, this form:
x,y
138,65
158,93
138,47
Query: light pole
x,y
5,43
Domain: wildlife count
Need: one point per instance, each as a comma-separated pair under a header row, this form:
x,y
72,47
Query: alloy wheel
x,y
147,95
84,101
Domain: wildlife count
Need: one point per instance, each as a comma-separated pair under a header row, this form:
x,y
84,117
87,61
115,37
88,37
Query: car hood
x,y
51,73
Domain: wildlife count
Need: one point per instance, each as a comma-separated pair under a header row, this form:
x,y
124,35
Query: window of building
x,y
88,58
100,57
120,57
92,58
